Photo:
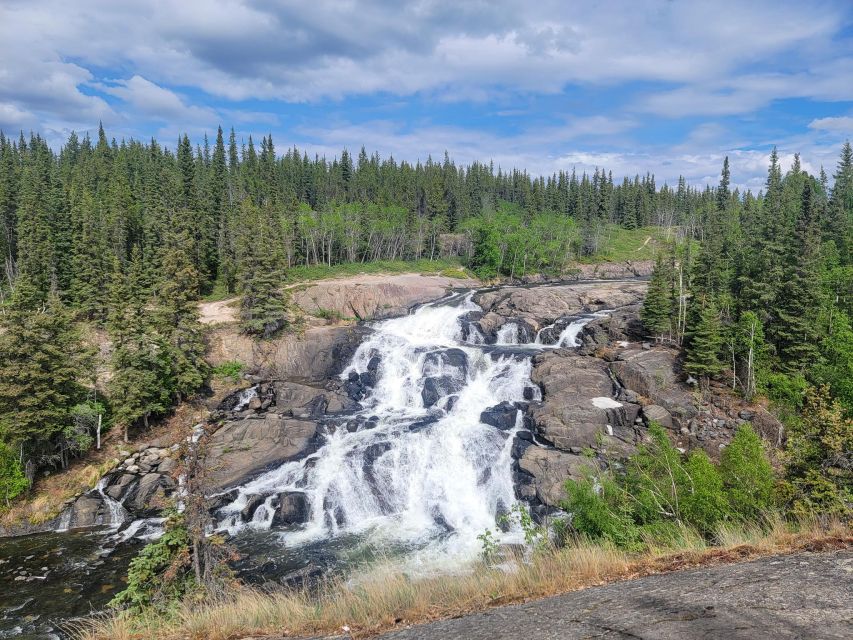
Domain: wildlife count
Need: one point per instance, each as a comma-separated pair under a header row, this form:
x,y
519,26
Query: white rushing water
x,y
421,471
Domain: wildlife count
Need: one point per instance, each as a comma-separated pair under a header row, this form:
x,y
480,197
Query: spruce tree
x,y
178,316
42,361
656,313
89,261
141,384
703,351
263,305
796,332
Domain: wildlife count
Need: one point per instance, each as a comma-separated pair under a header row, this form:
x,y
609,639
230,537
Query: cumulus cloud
x,y
841,124
142,66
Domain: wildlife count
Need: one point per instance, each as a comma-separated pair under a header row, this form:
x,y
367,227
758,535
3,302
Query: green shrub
x,y
747,474
600,511
663,497
12,479
819,459
158,576
703,501
230,370
785,389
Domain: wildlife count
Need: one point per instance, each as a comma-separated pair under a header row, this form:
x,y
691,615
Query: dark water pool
x,y
50,578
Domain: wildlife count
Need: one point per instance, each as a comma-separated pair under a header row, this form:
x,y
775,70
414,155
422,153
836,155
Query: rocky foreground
x,y
799,596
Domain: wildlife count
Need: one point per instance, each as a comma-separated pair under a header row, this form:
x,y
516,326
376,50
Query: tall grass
x,y
383,598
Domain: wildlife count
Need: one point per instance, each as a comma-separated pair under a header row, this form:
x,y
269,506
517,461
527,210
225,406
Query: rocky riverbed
x,y
517,388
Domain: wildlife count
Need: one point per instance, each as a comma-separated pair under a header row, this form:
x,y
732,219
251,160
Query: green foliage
x,y
159,575
749,481
656,313
229,370
263,303
41,362
703,351
786,389
178,317
600,510
142,383
506,242
12,479
819,459
662,494
489,545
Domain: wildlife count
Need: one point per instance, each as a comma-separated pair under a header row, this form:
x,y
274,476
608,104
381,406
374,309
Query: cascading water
x,y
115,513
416,467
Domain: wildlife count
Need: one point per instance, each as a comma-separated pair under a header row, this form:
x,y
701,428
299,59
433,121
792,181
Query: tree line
x,y
125,237
765,303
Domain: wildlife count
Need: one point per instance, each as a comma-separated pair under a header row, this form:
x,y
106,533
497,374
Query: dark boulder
x,y
252,503
448,362
501,416
293,508
119,485
314,409
437,388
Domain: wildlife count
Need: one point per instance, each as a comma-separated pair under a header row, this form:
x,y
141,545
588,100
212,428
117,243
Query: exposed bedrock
x,y
578,409
318,354
541,306
242,449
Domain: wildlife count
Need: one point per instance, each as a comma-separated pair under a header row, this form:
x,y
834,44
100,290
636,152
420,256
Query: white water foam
x,y
430,477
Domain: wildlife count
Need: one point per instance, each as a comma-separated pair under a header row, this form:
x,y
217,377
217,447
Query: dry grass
x,y
47,501
384,598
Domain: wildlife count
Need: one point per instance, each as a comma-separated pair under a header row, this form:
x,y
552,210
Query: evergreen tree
x,y
141,383
656,313
796,333
263,305
42,362
819,459
178,317
89,264
703,351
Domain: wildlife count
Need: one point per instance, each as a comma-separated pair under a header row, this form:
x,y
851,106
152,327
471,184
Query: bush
x,y
748,475
703,501
600,511
13,481
819,459
663,496
158,576
788,390
229,370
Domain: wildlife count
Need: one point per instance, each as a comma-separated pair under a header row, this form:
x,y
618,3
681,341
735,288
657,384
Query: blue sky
x,y
645,85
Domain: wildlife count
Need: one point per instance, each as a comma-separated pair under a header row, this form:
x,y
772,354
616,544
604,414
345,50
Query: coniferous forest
x,y
121,240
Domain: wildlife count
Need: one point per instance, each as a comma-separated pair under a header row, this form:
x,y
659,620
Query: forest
x,y
119,241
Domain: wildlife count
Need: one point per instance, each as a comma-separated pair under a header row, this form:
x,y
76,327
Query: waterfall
x,y
115,513
507,334
245,398
416,467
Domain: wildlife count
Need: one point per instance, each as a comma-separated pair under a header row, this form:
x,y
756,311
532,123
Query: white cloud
x,y
841,124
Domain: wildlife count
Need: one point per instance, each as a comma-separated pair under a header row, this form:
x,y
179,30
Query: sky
x,y
669,87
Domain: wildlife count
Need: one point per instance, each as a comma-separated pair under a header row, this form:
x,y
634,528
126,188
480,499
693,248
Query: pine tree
x,y
703,351
141,383
42,361
263,306
657,306
796,333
